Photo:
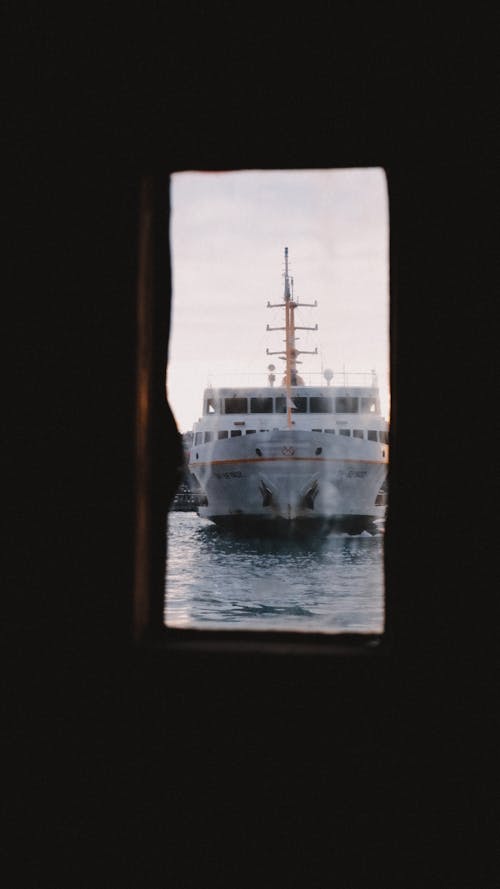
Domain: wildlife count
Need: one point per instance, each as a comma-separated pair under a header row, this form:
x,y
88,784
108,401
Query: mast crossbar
x,y
290,353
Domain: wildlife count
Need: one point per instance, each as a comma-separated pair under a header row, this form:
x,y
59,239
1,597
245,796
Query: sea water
x,y
217,580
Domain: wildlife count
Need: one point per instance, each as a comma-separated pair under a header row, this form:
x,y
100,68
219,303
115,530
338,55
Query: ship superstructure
x,y
291,456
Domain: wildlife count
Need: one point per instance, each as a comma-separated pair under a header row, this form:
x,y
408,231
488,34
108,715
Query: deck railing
x,y
226,380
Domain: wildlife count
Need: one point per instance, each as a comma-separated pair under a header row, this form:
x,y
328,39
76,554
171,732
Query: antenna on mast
x,y
287,279
290,354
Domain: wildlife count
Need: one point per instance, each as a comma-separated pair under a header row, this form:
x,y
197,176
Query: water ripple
x,y
326,584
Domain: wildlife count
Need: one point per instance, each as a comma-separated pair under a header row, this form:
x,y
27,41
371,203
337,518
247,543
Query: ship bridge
x,y
302,399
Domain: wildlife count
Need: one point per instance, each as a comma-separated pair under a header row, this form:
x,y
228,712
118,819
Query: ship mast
x,y
291,352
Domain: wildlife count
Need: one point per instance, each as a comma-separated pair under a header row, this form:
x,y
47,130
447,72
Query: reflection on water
x,y
216,580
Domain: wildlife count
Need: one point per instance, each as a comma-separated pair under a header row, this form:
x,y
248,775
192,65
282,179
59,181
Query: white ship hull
x,y
291,477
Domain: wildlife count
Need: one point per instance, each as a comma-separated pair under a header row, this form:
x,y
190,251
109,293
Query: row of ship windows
x,y
372,434
312,404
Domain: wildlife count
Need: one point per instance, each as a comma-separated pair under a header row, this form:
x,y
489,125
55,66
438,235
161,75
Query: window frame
x,y
159,448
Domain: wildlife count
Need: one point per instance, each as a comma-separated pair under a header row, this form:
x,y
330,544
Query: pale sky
x,y
228,232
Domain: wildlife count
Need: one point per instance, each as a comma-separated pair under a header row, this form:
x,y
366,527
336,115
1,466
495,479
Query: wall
x,y
140,768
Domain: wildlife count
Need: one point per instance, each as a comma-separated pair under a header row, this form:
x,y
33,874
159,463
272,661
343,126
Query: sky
x,y
228,232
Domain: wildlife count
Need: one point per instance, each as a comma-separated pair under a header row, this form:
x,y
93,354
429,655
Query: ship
x,y
292,457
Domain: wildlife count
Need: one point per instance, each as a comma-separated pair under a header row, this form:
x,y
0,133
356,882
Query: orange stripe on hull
x,y
288,460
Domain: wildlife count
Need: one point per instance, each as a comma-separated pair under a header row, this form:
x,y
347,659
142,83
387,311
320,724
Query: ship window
x,y
346,405
315,430
299,404
261,405
320,405
198,438
208,436
383,436
370,405
235,405
358,433
221,353
344,431
372,435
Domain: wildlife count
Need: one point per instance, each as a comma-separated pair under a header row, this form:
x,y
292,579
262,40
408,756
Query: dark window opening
x,y
222,434
299,404
320,405
251,431
346,405
383,436
235,405
208,436
372,435
212,405
235,432
369,405
344,431
358,433
261,405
